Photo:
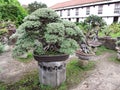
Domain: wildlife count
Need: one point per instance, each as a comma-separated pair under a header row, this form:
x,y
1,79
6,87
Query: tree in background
x,y
35,5
92,25
12,10
13,2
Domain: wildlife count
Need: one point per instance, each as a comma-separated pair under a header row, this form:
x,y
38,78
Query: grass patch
x,y
102,50
26,60
75,74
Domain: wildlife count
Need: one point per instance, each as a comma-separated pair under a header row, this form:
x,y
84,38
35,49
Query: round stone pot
x,y
52,69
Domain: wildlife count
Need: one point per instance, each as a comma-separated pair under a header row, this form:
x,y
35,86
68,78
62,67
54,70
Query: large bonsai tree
x,y
45,33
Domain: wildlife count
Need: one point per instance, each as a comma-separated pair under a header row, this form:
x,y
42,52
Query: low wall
x,y
108,42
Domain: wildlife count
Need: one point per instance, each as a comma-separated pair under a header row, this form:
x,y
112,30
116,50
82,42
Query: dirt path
x,y
106,76
11,70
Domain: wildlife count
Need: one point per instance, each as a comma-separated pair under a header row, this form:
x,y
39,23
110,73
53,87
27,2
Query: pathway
x,y
11,70
106,76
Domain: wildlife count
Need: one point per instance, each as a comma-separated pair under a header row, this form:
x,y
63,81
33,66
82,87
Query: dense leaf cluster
x,y
12,10
44,32
35,5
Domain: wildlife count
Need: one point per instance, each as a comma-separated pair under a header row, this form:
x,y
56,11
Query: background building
x,y
78,10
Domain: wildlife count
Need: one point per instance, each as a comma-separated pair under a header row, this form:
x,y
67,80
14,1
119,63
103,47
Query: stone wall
x,y
108,42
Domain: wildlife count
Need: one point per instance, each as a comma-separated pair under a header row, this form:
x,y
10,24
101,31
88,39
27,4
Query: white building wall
x,y
107,13
119,19
94,10
108,20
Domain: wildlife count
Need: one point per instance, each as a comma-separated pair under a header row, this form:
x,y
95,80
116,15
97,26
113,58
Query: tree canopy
x,y
36,5
12,10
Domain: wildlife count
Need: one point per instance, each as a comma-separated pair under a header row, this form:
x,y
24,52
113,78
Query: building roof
x,y
74,3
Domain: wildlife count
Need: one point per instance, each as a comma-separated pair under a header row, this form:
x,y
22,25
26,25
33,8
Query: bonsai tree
x,y
46,34
93,25
52,40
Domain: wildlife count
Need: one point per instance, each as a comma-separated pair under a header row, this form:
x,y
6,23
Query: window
x,y
69,19
61,13
100,9
77,19
87,10
117,8
115,19
77,12
68,12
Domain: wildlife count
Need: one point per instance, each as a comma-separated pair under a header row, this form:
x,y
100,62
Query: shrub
x,y
115,27
12,10
112,30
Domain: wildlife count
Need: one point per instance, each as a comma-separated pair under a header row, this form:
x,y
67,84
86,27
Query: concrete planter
x,y
52,69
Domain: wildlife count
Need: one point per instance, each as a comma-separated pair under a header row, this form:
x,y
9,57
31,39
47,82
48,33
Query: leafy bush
x,y
112,30
12,10
44,32
115,27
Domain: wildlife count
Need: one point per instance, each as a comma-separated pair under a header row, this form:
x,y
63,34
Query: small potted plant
x,y
51,39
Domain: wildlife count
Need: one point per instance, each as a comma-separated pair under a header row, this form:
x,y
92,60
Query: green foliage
x,y
94,21
14,2
35,5
115,27
3,31
112,30
92,25
31,81
44,32
107,31
12,10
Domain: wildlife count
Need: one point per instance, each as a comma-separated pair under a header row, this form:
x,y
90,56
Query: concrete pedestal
x,y
52,73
